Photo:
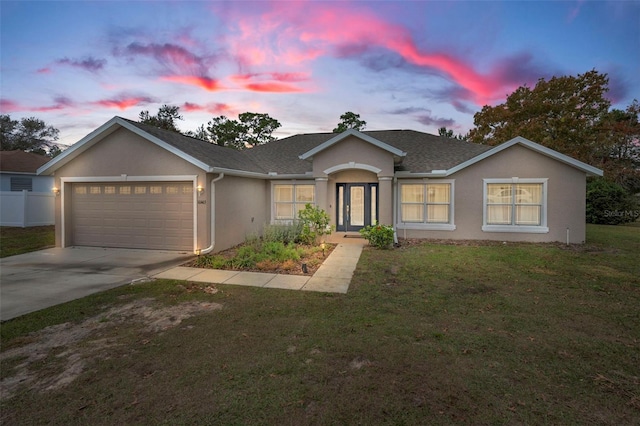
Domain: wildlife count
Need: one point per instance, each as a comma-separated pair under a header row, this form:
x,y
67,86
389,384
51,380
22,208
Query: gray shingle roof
x,y
209,153
425,152
20,161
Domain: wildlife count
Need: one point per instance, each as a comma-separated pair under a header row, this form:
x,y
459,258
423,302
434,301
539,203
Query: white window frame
x,y
531,229
428,226
295,185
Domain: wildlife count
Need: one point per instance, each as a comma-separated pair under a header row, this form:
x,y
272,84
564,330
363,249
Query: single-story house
x,y
25,197
127,184
19,171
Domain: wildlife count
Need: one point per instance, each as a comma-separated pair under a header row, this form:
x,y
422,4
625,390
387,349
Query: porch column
x,y
385,200
321,193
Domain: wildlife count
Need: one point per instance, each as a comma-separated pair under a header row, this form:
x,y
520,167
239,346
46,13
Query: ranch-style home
x,y
130,185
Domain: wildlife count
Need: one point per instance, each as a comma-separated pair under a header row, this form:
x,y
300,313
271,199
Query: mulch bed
x,y
289,267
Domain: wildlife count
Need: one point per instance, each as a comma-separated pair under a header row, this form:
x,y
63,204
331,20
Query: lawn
x,y
23,240
485,333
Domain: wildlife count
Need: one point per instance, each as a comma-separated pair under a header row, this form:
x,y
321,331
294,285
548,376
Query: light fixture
x,y
200,189
56,190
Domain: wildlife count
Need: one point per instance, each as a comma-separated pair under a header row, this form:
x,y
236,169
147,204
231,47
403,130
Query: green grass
x,y
434,333
23,240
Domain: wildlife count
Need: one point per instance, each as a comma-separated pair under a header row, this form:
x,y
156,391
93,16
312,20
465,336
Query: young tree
x,y
28,134
350,120
166,118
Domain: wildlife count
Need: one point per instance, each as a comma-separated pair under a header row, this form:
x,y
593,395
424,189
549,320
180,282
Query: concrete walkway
x,y
333,276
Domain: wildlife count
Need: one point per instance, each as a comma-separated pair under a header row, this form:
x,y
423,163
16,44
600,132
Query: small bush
x,y
315,223
277,251
609,204
282,232
379,236
215,262
246,257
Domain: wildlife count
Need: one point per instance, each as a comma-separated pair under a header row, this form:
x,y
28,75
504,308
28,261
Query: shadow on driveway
x,y
37,280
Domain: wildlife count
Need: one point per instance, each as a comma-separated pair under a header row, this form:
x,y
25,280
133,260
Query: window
x,y
21,184
426,204
290,199
515,205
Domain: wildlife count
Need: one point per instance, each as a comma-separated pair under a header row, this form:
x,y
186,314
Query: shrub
x,y
609,204
283,233
315,223
246,257
277,251
379,236
208,261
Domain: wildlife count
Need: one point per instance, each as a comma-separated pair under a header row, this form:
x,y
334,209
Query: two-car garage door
x,y
145,215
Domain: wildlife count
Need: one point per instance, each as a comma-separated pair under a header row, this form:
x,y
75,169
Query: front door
x,y
357,205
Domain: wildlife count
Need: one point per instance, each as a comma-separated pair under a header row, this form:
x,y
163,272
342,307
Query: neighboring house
x,y
25,197
18,171
131,185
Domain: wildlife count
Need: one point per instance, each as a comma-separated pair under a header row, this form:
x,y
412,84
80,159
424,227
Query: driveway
x,y
37,280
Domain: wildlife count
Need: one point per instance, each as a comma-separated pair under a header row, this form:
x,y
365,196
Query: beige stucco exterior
x,y
230,205
565,198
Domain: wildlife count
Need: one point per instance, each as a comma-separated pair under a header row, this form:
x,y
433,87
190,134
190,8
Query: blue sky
x,y
400,65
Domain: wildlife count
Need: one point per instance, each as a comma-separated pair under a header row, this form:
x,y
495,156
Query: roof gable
x,y
519,140
352,132
201,154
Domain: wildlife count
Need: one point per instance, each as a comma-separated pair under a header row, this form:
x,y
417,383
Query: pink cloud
x,y
273,87
7,105
205,83
213,108
60,103
272,82
123,102
292,33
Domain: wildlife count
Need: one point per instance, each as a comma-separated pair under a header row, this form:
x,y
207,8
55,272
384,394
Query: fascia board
x,y
239,173
590,170
351,132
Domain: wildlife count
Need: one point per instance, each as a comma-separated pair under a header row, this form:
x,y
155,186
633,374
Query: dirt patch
x,y
55,356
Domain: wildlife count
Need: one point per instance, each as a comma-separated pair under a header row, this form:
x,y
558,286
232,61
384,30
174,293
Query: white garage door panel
x,y
141,215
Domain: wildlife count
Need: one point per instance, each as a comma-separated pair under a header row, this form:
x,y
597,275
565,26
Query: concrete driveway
x,y
37,280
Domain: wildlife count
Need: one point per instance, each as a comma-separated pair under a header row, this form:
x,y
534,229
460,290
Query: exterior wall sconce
x,y
55,190
200,190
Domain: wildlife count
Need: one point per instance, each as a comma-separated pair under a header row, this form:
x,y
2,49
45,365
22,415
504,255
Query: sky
x,y
414,65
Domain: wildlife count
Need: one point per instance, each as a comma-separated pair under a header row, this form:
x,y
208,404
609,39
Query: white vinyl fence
x,y
24,208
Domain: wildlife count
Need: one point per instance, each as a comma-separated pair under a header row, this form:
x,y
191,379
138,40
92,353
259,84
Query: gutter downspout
x,y
394,213
213,215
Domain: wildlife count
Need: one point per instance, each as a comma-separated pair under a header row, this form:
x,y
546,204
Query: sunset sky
x,y
400,65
